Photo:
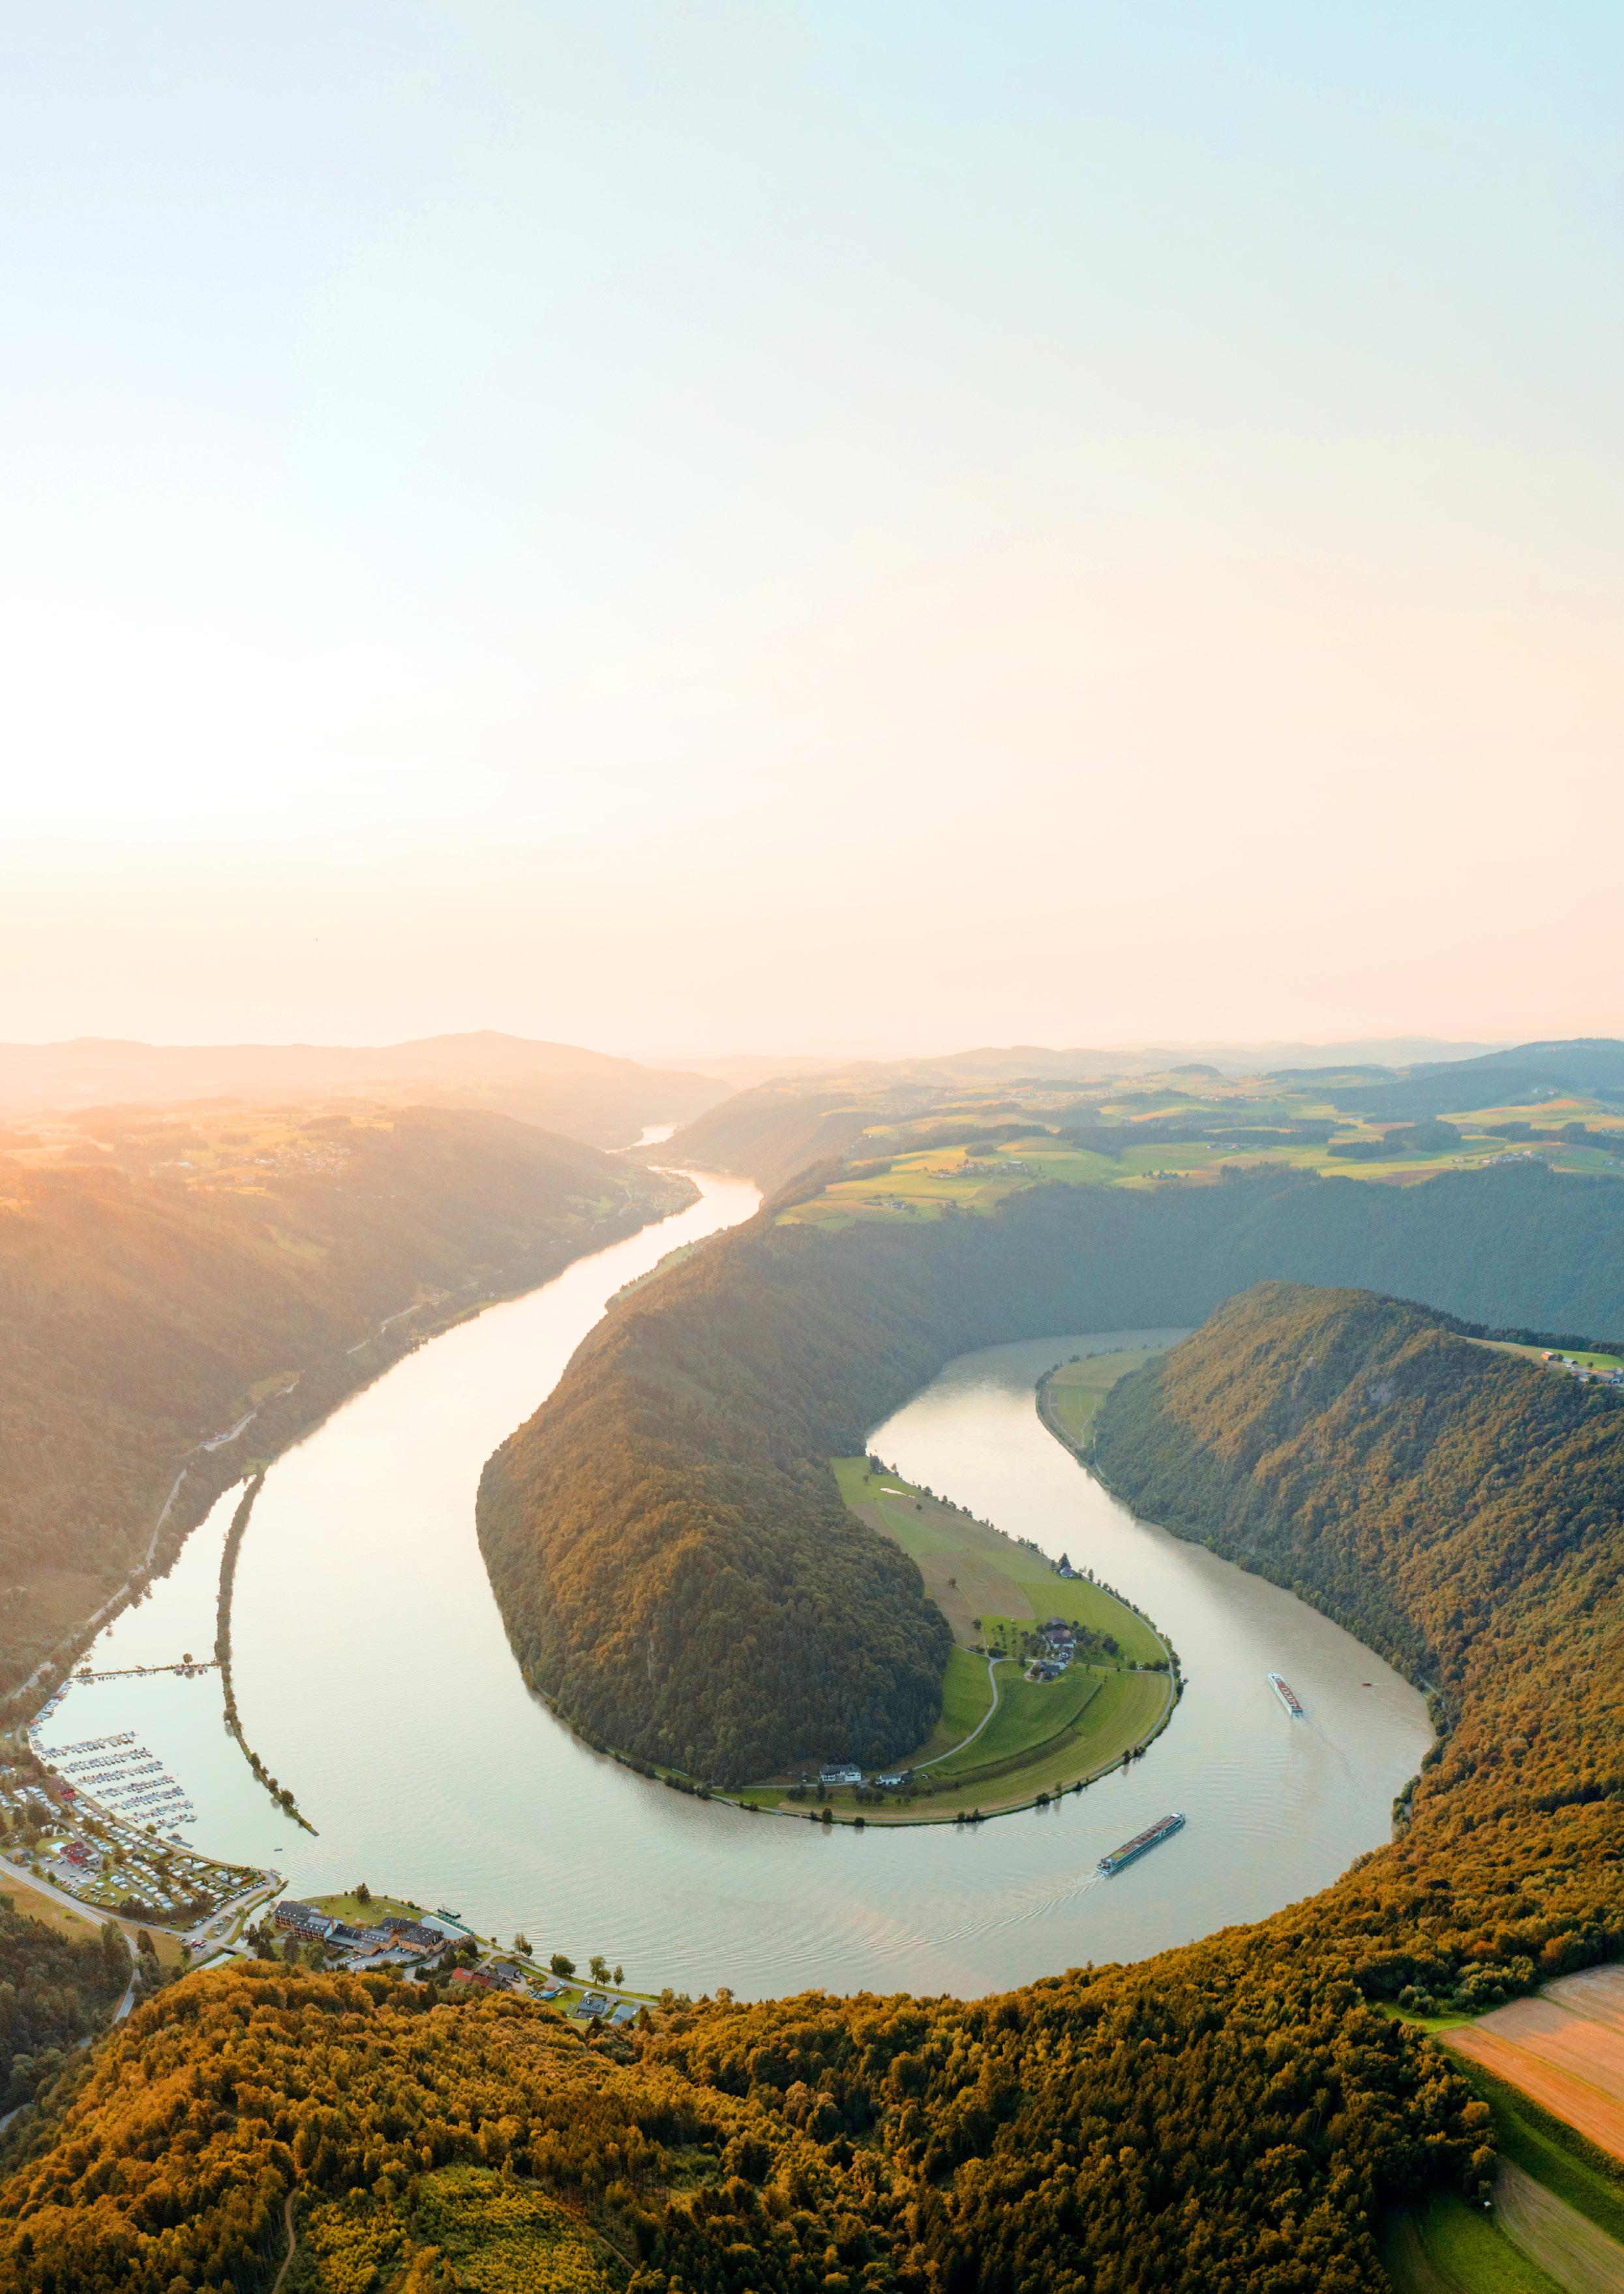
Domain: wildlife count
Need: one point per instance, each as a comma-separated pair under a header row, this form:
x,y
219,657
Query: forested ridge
x,y
1227,2118
137,1314
672,1556
1458,1508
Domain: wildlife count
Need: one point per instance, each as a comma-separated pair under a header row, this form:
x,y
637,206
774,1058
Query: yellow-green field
x,y
924,1183
1039,1736
1069,1397
981,1579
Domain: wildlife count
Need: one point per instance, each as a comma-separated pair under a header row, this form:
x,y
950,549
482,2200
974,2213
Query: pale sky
x,y
704,526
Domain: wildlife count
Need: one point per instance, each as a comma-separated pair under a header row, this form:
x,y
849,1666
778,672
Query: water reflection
x,y
374,1677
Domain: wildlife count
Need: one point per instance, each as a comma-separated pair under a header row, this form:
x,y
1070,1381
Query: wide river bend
x,y
374,1677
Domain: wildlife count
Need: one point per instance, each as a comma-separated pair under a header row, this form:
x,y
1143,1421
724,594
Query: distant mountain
x,y
1591,1067
586,1095
1040,1064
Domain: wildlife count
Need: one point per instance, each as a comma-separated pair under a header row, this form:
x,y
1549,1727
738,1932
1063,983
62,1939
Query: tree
x,y
363,1894
599,1967
562,1964
619,1978
521,1943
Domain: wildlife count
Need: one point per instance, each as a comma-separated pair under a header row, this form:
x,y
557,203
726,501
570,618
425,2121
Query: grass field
x,y
978,1578
1447,2247
1045,1737
967,1698
1069,1397
367,1914
1553,2152
168,1949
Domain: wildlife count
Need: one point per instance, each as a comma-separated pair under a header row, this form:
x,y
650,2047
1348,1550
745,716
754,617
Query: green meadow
x,y
1041,1737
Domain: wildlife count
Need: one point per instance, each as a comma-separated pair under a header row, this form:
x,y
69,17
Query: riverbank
x,y
284,1411
1054,1680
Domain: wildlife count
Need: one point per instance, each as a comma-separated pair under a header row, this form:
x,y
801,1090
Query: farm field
x,y
1553,2152
1045,1737
1448,2247
1564,2049
978,1578
905,1169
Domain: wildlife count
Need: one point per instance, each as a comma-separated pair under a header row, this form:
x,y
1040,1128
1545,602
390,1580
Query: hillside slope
x,y
771,1134
1231,2118
586,1095
664,1536
1445,1500
138,1317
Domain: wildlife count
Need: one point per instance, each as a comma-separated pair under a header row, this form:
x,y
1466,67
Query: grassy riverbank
x,y
1004,1739
1069,1398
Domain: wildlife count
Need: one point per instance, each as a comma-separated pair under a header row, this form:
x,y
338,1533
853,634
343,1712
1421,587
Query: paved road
x,y
219,1927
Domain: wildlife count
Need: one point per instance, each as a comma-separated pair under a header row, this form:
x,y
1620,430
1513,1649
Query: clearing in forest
x,y
1004,1737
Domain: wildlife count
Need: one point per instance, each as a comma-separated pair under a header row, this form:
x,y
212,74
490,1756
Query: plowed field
x,y
1565,2049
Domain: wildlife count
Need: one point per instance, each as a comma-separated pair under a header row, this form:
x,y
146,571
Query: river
x,y
374,1678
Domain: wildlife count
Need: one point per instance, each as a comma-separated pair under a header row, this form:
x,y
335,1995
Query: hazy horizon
x,y
675,531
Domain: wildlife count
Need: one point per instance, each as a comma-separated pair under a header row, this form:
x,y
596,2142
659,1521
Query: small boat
x,y
1287,1696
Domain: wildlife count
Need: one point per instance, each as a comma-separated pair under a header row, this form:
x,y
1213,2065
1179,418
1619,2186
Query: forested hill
x,y
771,1134
140,1316
1231,2118
664,1536
1432,1494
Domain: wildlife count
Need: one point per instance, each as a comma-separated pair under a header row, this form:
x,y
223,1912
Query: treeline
x,y
54,1990
1459,1508
1231,2117
1215,2122
136,1313
671,1557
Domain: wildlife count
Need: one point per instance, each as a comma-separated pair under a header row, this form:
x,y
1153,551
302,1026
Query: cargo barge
x,y
1151,1837
1287,1696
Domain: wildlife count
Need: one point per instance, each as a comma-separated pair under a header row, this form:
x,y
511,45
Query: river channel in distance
x,y
374,1678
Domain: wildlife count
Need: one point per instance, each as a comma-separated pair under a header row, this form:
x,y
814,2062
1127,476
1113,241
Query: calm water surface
x,y
374,1677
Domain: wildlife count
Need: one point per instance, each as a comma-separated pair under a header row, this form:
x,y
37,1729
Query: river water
x,y
374,1678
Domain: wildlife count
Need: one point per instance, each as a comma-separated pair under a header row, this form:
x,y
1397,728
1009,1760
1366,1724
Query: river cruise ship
x,y
1152,1836
1287,1696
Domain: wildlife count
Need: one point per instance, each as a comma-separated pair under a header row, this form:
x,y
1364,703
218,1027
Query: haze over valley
x,y
811,1151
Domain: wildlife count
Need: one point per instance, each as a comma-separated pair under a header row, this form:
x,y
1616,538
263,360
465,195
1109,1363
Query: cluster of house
x,y
393,1942
842,1772
397,1940
1060,1639
1583,1371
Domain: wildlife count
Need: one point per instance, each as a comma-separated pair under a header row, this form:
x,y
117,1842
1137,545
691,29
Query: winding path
x,y
992,1663
293,2244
